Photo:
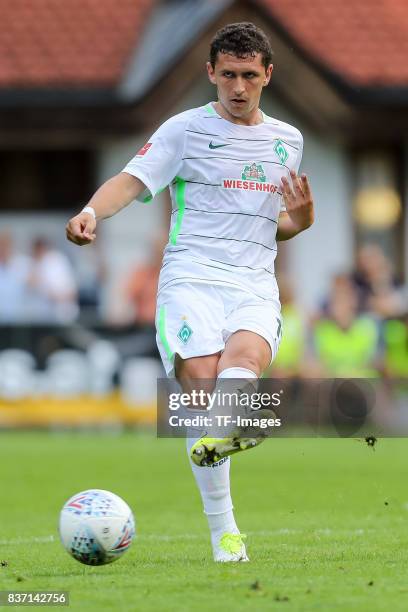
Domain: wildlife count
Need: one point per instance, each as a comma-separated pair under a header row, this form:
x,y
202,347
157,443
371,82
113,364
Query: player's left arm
x,y
298,200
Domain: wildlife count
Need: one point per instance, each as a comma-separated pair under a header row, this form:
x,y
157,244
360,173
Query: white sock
x,y
214,481
214,486
237,373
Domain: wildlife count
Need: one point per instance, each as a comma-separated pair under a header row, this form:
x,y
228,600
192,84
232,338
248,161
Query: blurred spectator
x,y
141,285
340,283
53,290
345,343
290,358
395,339
91,276
13,281
378,289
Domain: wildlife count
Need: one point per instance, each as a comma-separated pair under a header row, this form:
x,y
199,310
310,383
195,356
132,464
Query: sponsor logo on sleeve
x,y
144,149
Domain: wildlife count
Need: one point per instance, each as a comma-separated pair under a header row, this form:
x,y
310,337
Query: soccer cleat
x,y
207,451
230,548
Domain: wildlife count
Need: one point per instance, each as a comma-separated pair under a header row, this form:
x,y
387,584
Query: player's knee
x,y
250,360
257,360
198,370
203,369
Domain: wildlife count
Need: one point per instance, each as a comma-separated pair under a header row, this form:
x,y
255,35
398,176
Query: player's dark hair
x,y
242,40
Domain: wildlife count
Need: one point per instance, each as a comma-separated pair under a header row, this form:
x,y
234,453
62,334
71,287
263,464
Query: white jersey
x,y
224,182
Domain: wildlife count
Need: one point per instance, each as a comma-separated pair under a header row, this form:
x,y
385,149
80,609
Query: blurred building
x,y
83,85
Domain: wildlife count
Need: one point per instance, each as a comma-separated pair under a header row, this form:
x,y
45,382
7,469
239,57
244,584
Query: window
x,y
45,180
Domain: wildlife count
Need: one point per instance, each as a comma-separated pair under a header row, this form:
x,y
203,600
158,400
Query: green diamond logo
x,y
280,151
185,333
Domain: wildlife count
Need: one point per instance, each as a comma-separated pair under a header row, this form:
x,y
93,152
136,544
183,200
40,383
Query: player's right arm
x,y
152,168
108,200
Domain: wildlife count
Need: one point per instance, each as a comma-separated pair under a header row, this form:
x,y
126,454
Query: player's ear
x,y
211,74
268,74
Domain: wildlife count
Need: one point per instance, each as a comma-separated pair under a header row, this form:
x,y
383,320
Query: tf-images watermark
x,y
352,407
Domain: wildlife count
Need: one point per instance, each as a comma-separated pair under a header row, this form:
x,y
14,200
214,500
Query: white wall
x,y
327,247
405,207
25,227
127,237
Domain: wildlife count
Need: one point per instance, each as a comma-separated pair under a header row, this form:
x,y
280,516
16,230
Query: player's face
x,y
239,83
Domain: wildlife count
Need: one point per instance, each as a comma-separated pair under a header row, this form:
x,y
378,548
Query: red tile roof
x,y
61,43
87,43
365,41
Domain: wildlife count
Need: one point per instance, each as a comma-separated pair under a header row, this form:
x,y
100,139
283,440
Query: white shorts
x,y
196,319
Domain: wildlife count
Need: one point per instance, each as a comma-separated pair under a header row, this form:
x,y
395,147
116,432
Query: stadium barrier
x,y
72,376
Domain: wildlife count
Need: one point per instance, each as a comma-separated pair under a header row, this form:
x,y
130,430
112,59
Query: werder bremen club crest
x,y
185,333
281,152
253,172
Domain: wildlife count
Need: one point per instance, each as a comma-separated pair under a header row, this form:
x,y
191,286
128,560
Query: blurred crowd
x,y
37,287
359,329
43,285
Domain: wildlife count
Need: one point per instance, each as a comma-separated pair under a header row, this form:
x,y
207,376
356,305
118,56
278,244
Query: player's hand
x,y
81,229
298,200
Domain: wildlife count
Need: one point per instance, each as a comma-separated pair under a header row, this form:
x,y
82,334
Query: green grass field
x,y
326,521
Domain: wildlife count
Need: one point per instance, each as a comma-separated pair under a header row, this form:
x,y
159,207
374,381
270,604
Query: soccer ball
x,y
96,527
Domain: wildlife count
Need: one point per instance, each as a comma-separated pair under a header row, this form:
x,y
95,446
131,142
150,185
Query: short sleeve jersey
x,y
224,181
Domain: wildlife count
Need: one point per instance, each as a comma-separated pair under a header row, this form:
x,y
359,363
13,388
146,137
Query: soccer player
x,y
235,190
